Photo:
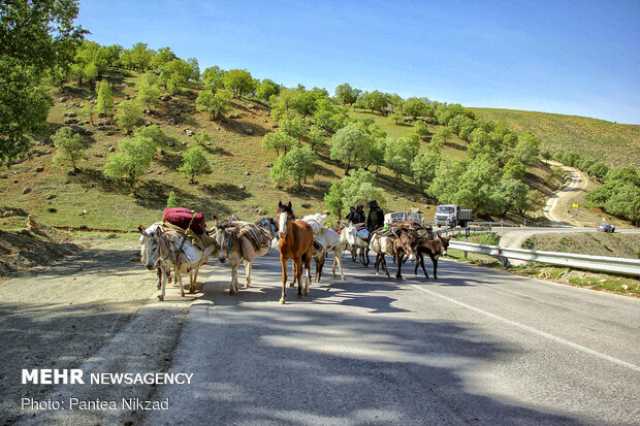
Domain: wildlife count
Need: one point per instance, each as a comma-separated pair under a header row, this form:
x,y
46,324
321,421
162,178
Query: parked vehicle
x,y
606,227
414,217
452,215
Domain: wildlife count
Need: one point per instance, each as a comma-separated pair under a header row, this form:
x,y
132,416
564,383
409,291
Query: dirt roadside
x,y
94,310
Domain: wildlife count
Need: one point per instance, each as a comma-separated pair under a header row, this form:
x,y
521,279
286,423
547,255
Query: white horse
x,y
242,242
356,243
167,248
329,240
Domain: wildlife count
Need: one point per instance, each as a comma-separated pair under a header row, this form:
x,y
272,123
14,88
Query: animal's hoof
x,y
182,294
160,298
282,300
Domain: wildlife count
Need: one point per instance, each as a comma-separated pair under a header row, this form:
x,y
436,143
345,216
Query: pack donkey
x,y
242,242
434,246
167,248
399,244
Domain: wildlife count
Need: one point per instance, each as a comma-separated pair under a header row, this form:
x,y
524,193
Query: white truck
x,y
451,215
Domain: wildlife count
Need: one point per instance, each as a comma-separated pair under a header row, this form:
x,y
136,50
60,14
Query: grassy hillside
x,y
239,184
615,144
595,243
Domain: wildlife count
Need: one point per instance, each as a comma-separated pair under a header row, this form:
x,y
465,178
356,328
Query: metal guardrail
x,y
612,265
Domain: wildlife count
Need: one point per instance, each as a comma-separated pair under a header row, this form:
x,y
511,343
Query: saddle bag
x,y
182,218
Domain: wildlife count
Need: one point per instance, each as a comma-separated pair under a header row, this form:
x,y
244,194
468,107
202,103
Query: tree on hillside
x,y
442,135
414,108
266,89
239,82
351,145
400,153
527,149
36,37
512,195
195,69
293,125
138,57
216,104
357,188
212,78
346,95
147,90
279,141
446,181
175,74
422,130
69,147
194,163
163,56
297,165
131,160
424,167
329,116
104,103
129,115
316,137
152,132
375,101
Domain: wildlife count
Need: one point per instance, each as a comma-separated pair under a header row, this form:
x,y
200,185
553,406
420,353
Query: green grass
x,y
616,144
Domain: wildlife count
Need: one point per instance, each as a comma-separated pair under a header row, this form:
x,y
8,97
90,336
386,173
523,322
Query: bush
x,y
278,141
131,160
69,147
357,188
297,165
104,103
172,200
153,132
215,104
129,115
194,163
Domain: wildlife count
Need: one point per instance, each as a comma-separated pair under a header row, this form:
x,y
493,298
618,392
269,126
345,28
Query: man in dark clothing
x,y
375,219
351,215
356,215
360,214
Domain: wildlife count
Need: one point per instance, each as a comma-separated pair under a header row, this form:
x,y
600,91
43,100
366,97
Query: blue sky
x,y
575,57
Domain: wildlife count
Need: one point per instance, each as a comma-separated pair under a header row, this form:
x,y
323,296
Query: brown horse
x,y
296,242
434,247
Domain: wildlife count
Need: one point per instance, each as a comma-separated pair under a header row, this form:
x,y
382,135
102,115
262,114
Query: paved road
x,y
478,346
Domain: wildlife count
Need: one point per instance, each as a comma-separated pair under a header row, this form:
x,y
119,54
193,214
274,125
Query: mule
x,y
330,242
166,249
434,247
242,242
296,243
398,245
358,246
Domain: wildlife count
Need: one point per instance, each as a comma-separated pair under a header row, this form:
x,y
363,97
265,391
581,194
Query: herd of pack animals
x,y
172,251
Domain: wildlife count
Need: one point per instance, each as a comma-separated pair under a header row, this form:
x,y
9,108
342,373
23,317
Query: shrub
x,y
129,115
69,147
194,163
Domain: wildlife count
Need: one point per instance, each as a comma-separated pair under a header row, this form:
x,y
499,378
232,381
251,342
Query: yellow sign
x,y
575,205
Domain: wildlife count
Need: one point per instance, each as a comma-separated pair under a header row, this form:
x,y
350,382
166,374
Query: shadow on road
x,y
356,353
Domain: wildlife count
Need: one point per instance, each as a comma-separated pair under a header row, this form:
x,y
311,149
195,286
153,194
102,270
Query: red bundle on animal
x,y
182,217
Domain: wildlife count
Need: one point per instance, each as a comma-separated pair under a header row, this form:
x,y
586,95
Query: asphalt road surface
x,y
478,346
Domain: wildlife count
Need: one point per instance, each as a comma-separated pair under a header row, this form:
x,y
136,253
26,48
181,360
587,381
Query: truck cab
x,y
451,215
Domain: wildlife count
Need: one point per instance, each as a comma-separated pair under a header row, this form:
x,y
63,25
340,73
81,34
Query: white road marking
x,y
534,331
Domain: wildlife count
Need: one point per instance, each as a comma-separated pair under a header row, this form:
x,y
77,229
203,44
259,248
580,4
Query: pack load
x,y
185,218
